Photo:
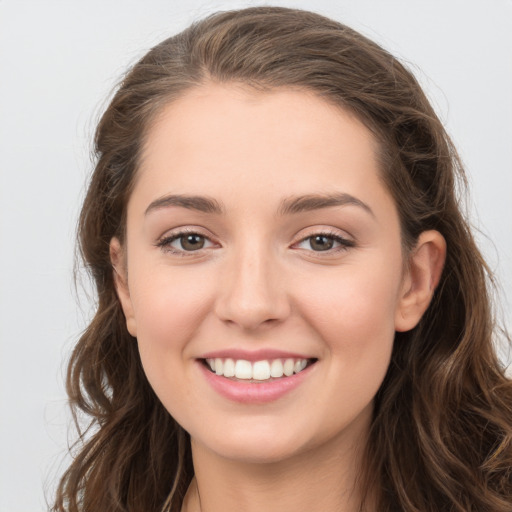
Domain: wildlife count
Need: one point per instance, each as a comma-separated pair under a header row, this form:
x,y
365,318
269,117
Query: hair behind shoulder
x,y
441,437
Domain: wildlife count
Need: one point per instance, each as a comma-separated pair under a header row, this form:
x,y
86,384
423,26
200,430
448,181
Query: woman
x,y
292,314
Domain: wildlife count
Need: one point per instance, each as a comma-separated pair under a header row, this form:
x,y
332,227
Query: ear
x,y
425,266
118,260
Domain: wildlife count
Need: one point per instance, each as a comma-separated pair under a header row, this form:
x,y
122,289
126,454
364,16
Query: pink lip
x,y
253,355
250,392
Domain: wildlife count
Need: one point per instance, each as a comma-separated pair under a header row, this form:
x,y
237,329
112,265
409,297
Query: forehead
x,y
235,141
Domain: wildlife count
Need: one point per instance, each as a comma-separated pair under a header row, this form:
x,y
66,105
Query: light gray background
x,y
58,63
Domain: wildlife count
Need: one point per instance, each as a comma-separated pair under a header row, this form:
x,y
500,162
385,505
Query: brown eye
x,y
325,242
321,242
184,242
191,242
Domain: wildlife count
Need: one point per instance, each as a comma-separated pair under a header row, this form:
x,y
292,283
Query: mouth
x,y
266,370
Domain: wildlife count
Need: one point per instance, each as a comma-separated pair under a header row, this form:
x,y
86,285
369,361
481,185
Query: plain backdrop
x,y
58,63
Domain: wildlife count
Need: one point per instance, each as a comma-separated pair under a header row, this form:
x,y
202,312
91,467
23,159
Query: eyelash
x,y
165,243
344,243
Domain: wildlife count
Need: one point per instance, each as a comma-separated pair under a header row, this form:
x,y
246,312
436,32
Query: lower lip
x,y
254,392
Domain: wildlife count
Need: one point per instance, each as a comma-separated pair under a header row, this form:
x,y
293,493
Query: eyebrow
x,y
200,203
288,206
318,201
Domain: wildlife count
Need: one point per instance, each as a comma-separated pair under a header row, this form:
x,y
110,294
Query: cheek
x,y
354,313
169,309
351,314
168,304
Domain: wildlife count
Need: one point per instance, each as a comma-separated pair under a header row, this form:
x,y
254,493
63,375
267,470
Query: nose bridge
x,y
252,291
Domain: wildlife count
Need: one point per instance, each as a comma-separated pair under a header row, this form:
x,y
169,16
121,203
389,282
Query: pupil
x,y
321,243
192,242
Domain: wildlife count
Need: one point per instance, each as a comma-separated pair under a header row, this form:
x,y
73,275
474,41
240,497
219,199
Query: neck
x,y
323,478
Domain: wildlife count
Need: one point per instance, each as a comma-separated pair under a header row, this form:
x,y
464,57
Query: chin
x,y
253,453
252,446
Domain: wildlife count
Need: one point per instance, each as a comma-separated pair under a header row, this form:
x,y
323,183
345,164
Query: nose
x,y
252,291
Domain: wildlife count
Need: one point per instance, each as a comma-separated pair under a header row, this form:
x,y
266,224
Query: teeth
x,y
299,365
288,367
229,368
276,368
243,369
259,370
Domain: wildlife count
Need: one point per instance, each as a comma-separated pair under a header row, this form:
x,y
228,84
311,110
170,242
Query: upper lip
x,y
253,355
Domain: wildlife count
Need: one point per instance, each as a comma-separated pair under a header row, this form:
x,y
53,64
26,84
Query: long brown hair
x,y
441,436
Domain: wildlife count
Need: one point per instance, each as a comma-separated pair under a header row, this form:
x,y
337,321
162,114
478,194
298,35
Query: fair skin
x,y
264,273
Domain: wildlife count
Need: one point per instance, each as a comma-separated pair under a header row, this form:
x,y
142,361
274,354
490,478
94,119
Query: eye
x,y
322,242
185,242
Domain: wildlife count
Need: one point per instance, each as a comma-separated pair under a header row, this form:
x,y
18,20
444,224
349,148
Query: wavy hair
x,y
441,434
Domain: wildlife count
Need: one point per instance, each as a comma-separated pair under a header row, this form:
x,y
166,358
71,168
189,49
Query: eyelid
x,y
165,240
345,242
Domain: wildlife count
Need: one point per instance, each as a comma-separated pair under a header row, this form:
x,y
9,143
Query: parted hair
x,y
441,432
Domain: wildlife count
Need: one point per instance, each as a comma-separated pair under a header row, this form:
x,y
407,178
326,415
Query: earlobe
x,y
424,273
117,258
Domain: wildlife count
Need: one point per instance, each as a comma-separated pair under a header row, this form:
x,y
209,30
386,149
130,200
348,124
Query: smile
x,y
264,370
255,381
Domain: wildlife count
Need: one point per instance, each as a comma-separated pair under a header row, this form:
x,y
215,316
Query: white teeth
x,y
276,368
243,369
299,365
229,368
259,370
288,367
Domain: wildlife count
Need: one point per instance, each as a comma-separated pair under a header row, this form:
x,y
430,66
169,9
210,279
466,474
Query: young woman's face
x,y
260,239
